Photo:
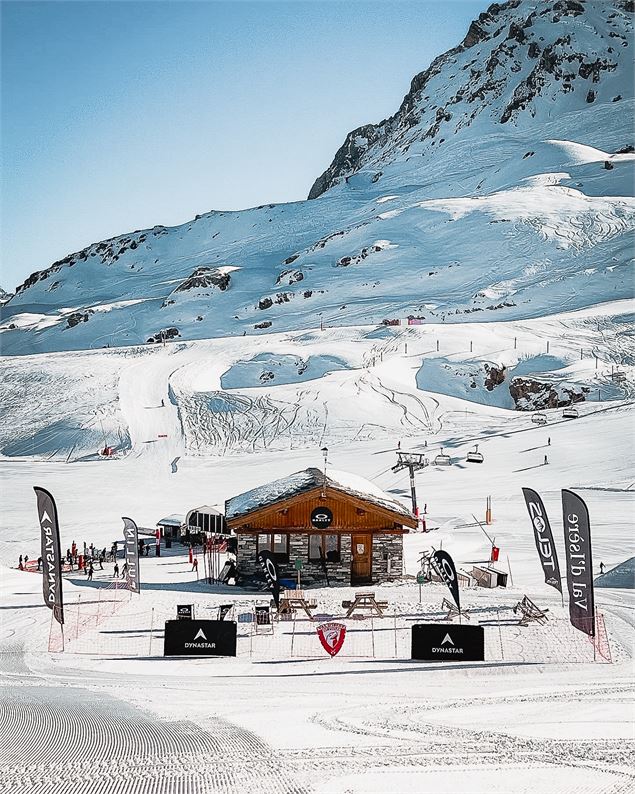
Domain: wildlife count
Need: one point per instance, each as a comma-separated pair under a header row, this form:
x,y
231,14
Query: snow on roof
x,y
301,481
175,520
214,511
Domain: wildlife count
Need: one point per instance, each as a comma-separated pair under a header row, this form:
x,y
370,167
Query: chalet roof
x,y
175,520
303,481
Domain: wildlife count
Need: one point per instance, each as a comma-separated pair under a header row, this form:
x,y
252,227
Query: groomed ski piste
x,y
196,423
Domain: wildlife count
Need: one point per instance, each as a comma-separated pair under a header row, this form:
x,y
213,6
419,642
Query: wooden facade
x,y
363,542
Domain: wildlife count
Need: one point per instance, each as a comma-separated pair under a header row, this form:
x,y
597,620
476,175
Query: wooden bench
x,y
530,613
366,601
292,600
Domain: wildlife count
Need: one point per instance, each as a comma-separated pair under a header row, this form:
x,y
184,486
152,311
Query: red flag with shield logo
x,y
332,637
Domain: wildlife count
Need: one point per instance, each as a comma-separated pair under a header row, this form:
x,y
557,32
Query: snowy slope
x,y
502,189
301,390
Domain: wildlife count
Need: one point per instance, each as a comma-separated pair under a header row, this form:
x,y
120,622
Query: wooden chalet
x,y
340,521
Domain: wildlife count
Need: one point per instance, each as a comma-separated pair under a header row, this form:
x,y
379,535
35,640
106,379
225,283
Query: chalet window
x,y
278,544
330,545
264,542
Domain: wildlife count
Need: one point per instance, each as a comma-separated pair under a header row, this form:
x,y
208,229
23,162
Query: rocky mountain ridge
x,y
477,201
514,66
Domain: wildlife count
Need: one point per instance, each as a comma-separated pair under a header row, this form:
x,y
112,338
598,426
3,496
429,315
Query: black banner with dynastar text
x,y
51,557
131,537
577,543
544,538
268,563
443,566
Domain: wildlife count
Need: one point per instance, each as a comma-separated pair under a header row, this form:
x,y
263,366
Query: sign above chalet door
x,y
362,546
321,517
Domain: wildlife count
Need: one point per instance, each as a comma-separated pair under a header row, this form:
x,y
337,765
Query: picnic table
x,y
365,601
292,600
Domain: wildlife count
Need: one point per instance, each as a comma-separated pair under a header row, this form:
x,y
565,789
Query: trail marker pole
x,y
372,633
151,631
500,635
395,625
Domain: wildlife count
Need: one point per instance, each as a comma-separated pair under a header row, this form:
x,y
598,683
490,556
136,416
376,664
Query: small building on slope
x,y
340,521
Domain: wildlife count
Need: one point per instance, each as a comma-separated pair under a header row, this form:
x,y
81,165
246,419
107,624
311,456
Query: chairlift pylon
x,y
474,456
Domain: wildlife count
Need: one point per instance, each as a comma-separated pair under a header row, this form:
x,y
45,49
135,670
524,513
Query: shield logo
x,y
332,637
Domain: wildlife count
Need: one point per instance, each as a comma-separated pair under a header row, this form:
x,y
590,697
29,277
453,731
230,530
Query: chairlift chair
x,y
474,456
442,460
539,419
570,413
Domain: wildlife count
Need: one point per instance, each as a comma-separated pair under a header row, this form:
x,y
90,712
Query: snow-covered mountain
x,y
502,189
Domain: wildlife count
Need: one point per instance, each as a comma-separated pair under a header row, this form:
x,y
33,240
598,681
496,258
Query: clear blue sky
x,y
121,115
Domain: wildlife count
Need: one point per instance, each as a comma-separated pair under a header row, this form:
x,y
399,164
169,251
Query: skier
x,y
195,564
26,559
91,570
73,549
101,562
601,568
115,571
549,441
21,564
162,403
124,570
39,563
546,461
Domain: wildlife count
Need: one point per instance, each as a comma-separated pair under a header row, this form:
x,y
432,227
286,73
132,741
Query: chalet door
x,y
362,559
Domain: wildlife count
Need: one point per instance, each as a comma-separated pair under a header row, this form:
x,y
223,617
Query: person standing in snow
x,y
101,561
21,564
601,568
124,570
91,570
26,559
549,441
39,563
115,572
546,461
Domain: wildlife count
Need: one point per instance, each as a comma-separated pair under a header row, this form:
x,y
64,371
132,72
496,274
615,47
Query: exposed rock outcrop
x,y
165,335
78,317
204,277
529,394
495,376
